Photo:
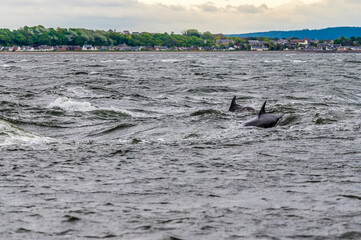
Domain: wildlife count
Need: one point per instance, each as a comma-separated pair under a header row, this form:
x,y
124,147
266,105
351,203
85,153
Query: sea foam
x,y
68,104
11,134
71,105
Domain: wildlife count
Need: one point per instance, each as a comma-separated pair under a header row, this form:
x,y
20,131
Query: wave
x,y
289,120
323,121
10,67
18,61
112,129
298,61
80,73
273,61
170,60
107,113
24,60
81,92
71,105
352,61
206,112
351,235
95,66
11,134
209,89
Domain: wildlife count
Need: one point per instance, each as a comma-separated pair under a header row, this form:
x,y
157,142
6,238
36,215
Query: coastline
x,y
174,52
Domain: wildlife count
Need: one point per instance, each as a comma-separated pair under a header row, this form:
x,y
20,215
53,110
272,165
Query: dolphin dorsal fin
x,y
263,110
233,103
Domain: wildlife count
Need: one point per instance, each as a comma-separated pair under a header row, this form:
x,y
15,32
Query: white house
x,y
45,48
299,42
88,47
27,48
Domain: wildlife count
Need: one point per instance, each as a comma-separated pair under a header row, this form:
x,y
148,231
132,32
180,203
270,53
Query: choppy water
x,y
141,146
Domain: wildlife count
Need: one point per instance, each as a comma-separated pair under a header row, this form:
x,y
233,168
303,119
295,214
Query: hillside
x,y
327,33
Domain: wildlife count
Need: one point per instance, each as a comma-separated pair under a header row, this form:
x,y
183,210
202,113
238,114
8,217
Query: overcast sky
x,y
221,16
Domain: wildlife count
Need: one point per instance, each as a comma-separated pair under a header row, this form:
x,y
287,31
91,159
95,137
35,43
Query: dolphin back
x,y
264,120
233,106
236,107
263,109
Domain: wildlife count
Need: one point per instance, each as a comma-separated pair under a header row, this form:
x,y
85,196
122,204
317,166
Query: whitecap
x,y
71,105
11,134
273,61
106,61
298,61
169,60
68,104
10,67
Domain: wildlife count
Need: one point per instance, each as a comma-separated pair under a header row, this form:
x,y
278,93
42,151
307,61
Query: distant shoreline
x,y
176,52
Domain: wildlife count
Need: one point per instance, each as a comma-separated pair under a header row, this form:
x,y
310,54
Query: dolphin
x,y
238,108
264,120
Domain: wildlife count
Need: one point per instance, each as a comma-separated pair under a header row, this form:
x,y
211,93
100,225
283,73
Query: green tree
x,y
192,32
207,35
39,35
5,37
19,38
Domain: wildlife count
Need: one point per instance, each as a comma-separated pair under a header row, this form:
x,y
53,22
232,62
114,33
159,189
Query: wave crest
x,y
68,104
11,134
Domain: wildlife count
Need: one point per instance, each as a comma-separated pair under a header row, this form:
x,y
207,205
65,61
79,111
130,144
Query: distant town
x,y
40,39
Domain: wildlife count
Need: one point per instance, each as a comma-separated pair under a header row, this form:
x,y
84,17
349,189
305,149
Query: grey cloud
x,y
172,7
246,9
102,3
263,6
251,9
70,3
208,7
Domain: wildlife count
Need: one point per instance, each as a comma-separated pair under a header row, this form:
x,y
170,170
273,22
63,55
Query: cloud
x,y
208,7
173,7
137,16
250,9
246,8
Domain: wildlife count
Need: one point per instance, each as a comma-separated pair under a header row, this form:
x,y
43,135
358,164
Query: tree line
x,y
39,35
352,41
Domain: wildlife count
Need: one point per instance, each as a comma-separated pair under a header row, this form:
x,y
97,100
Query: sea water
x,y
141,146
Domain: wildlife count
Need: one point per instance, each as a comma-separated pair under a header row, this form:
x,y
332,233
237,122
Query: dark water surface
x,y
141,146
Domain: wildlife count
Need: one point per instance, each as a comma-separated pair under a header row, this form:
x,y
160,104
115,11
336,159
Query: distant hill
x,y
321,34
